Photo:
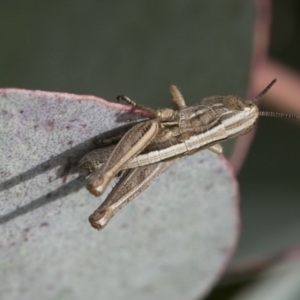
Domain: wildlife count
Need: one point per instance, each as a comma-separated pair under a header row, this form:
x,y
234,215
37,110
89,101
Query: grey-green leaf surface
x,y
279,283
171,242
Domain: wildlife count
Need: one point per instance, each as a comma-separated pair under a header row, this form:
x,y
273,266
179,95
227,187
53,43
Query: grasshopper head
x,y
239,116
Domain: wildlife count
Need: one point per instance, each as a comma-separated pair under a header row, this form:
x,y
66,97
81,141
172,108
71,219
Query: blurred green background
x,y
139,48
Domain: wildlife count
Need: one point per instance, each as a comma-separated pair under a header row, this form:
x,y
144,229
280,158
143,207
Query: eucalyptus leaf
x,y
278,283
171,242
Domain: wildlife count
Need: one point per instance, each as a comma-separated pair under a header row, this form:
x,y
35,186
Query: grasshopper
x,y
150,147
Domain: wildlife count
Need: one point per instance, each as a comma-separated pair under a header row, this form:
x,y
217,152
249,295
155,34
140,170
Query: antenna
x,y
265,90
270,113
277,115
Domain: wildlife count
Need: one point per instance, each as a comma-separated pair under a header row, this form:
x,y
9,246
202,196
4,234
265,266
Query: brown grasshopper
x,y
150,147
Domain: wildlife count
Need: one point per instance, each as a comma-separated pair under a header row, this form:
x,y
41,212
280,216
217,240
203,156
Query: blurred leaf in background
x,y
137,48
269,180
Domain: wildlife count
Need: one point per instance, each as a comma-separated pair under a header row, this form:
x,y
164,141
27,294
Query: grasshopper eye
x,y
234,103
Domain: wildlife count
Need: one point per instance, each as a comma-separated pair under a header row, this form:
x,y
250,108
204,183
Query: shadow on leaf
x,y
67,161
